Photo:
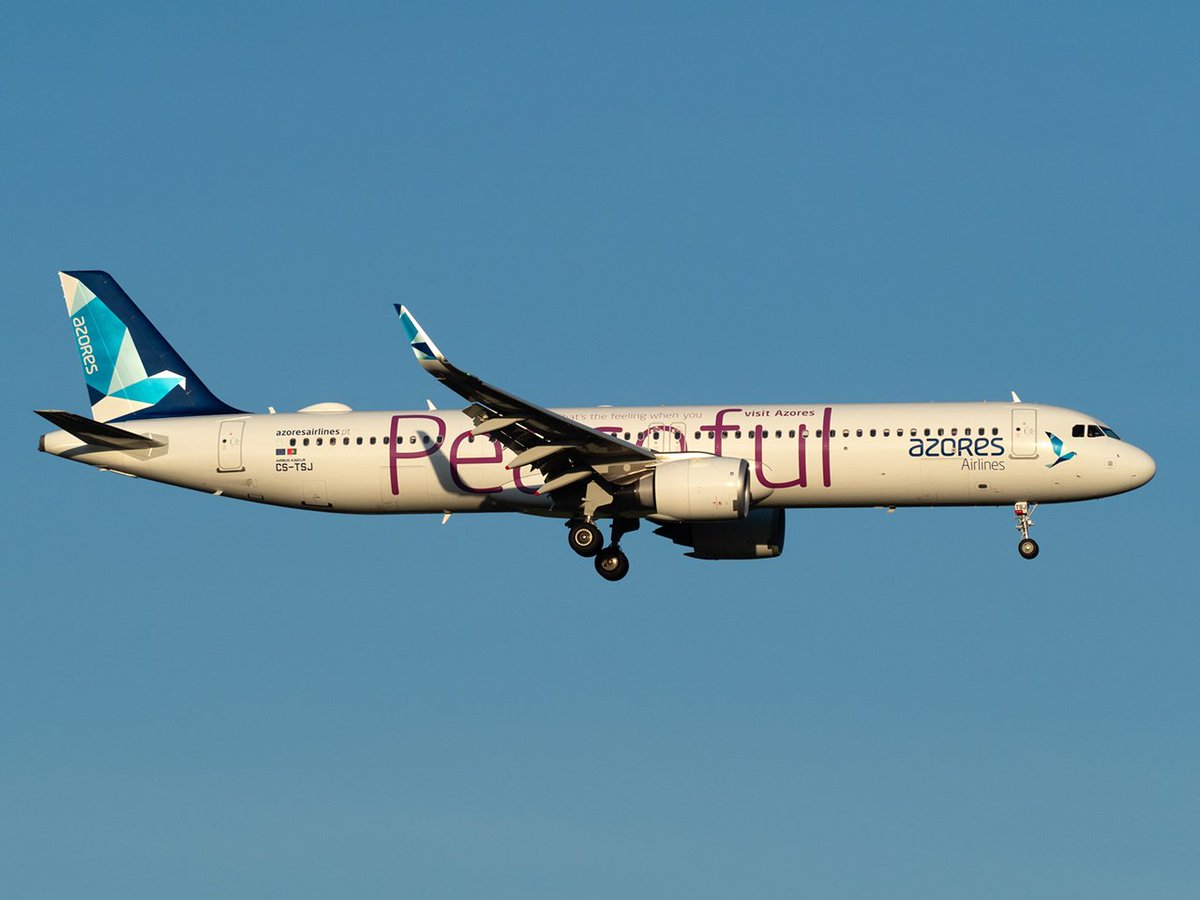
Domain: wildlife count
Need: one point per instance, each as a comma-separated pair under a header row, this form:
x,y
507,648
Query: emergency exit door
x,y
663,438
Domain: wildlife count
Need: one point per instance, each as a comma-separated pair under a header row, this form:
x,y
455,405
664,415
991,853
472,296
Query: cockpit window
x,y
1094,431
1078,430
1108,432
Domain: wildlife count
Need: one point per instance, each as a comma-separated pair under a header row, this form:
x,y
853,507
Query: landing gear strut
x,y
1027,546
611,562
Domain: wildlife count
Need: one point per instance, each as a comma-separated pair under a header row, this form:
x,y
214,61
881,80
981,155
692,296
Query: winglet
x,y
423,348
1015,399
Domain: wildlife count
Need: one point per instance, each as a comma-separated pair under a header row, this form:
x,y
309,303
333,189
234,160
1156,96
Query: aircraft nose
x,y
1141,466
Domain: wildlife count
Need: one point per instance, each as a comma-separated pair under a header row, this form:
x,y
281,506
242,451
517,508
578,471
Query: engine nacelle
x,y
702,489
758,536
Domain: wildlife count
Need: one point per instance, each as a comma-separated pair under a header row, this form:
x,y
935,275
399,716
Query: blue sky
x,y
616,203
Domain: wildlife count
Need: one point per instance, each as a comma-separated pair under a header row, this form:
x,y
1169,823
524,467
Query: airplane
x,y
716,480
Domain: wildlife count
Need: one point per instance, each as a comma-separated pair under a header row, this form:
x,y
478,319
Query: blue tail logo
x,y
1056,445
130,369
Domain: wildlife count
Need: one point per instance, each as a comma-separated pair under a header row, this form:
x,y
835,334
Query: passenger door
x,y
229,449
1024,433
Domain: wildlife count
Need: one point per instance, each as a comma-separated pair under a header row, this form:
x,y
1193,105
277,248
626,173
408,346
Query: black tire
x,y
585,539
1028,548
612,564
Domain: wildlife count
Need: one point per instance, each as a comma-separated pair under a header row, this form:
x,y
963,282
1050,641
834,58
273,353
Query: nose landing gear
x,y
1027,546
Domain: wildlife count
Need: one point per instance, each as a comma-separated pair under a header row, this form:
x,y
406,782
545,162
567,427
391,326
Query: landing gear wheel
x,y
1028,548
585,539
612,564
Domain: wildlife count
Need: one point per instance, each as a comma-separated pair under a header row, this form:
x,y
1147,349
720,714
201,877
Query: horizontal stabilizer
x,y
97,433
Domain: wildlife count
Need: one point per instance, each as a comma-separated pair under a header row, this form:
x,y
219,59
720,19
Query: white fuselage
x,y
422,461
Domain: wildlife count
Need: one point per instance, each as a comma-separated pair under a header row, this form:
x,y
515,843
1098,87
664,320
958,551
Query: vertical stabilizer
x,y
130,369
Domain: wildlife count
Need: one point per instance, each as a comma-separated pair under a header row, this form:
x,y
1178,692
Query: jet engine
x,y
758,536
700,489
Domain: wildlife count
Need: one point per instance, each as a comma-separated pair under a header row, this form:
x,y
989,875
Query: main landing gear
x,y
1027,546
586,539
612,563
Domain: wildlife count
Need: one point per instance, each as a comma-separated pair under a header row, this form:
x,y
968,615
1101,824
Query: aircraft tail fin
x,y
130,369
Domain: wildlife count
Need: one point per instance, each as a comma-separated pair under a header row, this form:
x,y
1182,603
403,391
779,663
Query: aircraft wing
x,y
566,451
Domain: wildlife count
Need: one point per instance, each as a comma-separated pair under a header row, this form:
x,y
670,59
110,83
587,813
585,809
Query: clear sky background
x,y
604,203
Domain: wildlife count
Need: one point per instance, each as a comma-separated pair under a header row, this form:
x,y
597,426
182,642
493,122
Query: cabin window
x,y
320,441
292,442
696,436
737,434
858,433
953,432
346,442
995,431
779,433
941,431
926,432
792,433
306,442
656,435
387,438
886,432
